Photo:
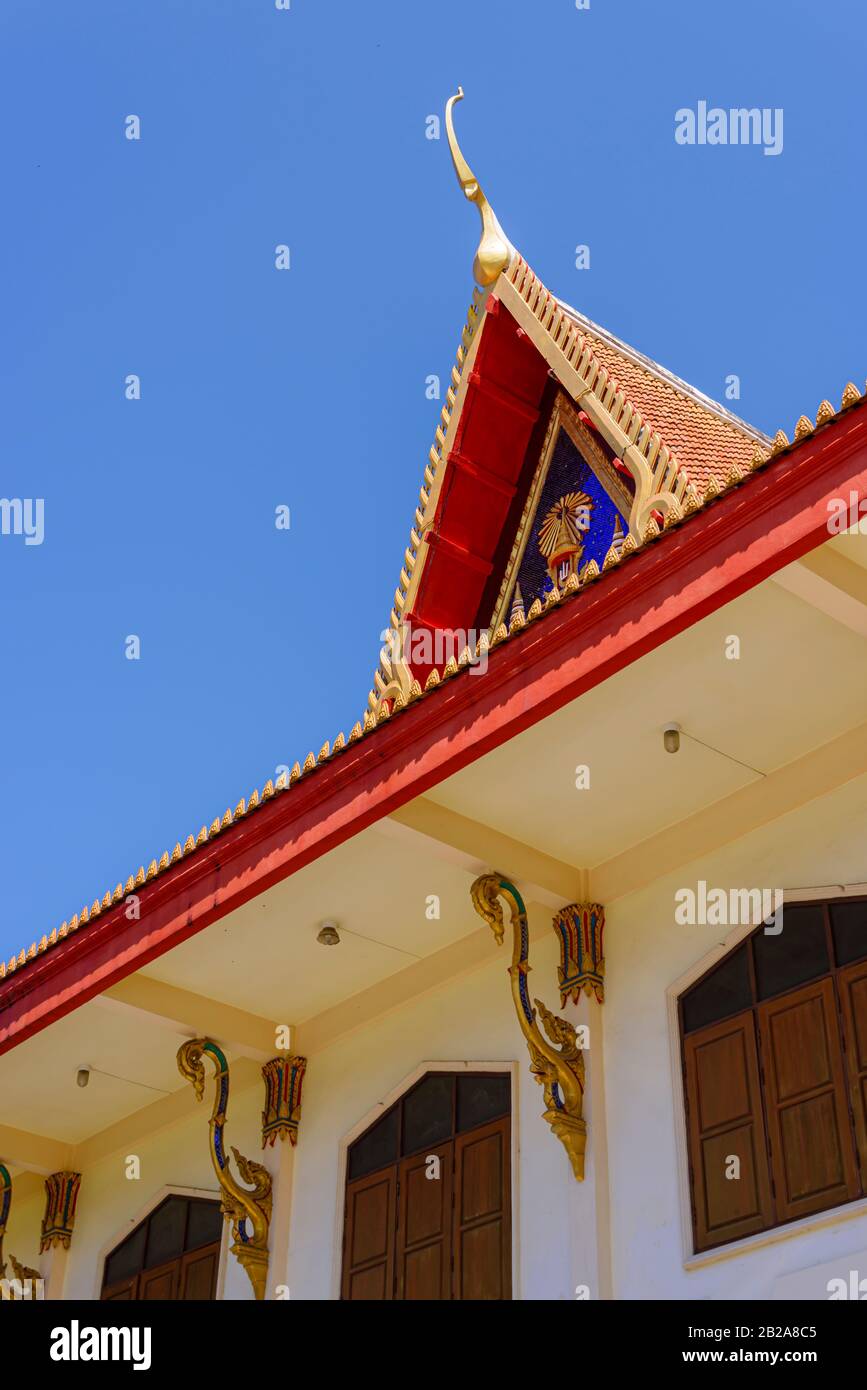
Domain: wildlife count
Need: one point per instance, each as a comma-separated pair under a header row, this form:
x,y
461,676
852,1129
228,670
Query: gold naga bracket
x,y
5,1204
23,1273
250,1248
558,1068
494,252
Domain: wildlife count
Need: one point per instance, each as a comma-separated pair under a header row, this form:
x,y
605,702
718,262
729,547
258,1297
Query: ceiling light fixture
x,y
671,737
672,734
328,934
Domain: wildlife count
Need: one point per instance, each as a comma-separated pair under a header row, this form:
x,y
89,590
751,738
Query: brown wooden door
x,y
160,1283
368,1236
725,1120
811,1141
424,1226
191,1276
121,1292
482,1217
852,983
428,1194
198,1273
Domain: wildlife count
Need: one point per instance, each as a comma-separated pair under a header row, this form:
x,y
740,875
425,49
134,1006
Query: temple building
x,y
547,980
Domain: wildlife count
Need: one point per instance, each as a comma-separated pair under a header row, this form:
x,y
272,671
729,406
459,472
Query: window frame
x,y
142,1214
181,1260
376,1111
826,896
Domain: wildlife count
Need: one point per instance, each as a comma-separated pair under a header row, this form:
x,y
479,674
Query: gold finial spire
x,y
494,251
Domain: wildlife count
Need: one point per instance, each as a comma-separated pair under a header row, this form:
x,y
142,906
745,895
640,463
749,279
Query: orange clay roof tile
x,y
704,436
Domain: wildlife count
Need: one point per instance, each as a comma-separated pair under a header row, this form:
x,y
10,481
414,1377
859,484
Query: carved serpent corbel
x,y
251,1250
558,1069
5,1204
23,1273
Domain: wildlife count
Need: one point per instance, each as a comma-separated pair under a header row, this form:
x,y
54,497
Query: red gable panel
x,y
500,412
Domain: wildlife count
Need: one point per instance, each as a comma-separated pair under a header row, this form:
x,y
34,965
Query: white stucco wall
x,y
646,951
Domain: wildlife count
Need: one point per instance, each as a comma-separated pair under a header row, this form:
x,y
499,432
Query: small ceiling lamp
x,y
328,934
671,737
82,1076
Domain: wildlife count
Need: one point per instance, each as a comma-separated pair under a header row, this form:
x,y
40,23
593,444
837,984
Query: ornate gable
x,y
559,449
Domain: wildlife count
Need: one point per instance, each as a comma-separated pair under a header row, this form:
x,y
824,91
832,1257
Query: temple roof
x,y
684,451
682,448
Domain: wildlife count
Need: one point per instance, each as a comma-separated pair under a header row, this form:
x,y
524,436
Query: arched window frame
x,y
120,1234
376,1111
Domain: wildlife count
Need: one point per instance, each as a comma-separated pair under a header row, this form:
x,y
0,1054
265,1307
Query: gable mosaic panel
x,y
575,521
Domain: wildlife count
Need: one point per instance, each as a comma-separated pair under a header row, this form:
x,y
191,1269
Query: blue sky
x,y
306,387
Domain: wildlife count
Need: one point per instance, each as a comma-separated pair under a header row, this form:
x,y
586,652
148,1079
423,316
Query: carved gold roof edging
x,y
660,480
563,416
825,415
392,676
494,255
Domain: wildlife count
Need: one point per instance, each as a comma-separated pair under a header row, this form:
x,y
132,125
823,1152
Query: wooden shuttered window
x,y
424,1247
853,1001
159,1284
483,1218
198,1278
725,1120
812,1151
433,1220
774,1043
368,1259
121,1293
174,1254
191,1277
452,1235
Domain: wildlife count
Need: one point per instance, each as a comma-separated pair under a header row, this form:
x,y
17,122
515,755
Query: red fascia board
x,y
775,516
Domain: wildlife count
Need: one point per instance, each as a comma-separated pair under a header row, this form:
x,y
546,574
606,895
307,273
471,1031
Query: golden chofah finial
x,y
494,251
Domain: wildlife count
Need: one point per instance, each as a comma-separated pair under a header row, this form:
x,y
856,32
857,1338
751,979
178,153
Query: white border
x,y
171,1190
386,1103
692,1259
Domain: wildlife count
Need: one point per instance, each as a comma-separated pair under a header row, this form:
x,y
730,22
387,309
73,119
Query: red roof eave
x,y
776,515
